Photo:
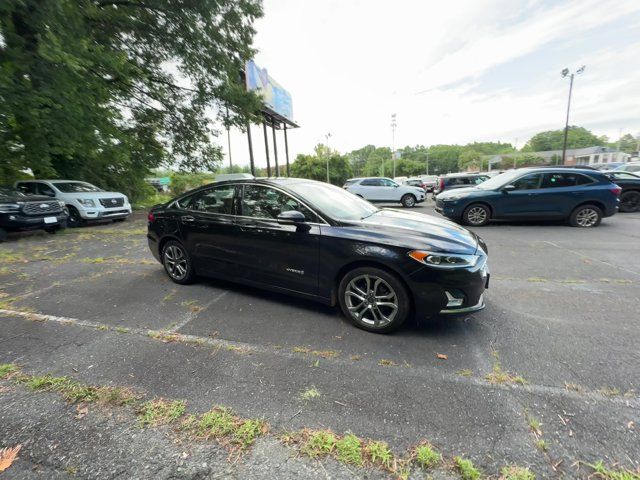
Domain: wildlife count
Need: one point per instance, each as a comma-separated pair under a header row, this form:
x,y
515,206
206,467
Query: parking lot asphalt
x,y
557,342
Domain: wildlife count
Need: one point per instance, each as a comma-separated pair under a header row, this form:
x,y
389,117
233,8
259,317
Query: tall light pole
x,y
328,154
564,74
394,124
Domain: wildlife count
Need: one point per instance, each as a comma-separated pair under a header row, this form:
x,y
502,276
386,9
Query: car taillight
x,y
441,184
616,190
151,217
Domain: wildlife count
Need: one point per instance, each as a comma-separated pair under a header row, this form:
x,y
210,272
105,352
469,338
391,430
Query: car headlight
x,y
87,202
444,260
61,203
9,207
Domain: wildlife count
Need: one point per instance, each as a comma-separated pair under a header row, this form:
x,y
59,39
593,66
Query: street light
x,y
328,154
565,73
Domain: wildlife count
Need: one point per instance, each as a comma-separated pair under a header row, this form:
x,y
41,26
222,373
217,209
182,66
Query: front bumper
x,y
18,222
98,213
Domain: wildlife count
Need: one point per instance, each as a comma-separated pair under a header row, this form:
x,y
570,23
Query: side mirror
x,y
291,217
508,188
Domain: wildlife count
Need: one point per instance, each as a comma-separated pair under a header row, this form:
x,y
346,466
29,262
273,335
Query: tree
x,y
627,143
578,137
105,90
470,159
314,167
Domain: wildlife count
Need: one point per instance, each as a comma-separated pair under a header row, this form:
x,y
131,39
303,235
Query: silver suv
x,y
85,202
380,189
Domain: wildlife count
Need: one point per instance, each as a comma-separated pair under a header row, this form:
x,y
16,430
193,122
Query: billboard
x,y
274,96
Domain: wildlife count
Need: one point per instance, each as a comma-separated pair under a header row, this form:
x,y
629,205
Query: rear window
x,y
349,182
569,179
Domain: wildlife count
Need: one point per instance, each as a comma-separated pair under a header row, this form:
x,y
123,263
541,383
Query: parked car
x,y
426,182
414,182
630,184
583,197
606,166
380,189
632,167
317,241
21,212
84,201
452,181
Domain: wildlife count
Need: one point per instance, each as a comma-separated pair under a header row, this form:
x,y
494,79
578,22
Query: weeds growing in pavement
x,y
319,443
513,472
426,456
310,394
160,412
379,453
221,423
601,471
349,450
466,469
7,369
498,376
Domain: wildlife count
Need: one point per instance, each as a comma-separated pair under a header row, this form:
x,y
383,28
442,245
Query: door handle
x,y
187,218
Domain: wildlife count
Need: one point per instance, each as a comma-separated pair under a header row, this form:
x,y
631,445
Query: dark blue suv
x,y
581,196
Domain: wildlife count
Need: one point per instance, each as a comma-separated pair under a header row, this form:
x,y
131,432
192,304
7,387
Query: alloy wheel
x,y
630,202
409,201
175,262
477,215
587,217
371,300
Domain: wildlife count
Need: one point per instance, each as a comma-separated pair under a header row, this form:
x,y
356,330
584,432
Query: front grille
x,y
39,208
112,202
439,203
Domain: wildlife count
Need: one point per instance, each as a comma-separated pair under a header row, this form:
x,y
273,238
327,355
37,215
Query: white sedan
x,y
380,189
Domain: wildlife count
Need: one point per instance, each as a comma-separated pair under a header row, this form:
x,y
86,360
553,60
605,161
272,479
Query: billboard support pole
x,y
275,145
253,168
266,146
286,148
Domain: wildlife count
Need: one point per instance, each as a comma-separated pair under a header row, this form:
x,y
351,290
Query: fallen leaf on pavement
x,y
630,425
7,456
82,411
441,356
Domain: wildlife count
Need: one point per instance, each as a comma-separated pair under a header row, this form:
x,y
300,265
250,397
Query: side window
x,y
557,180
371,182
44,189
28,188
264,202
387,183
528,182
213,200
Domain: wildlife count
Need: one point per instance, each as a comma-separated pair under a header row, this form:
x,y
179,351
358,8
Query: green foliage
x,y
319,443
466,469
379,453
85,92
578,137
426,456
513,472
470,159
181,182
159,412
7,369
349,449
601,471
314,166
627,143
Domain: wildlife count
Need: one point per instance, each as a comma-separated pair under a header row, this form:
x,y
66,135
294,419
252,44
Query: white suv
x,y
377,189
85,201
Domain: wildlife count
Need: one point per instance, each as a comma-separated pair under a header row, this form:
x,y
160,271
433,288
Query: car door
x,y
269,253
563,191
370,189
524,200
389,190
207,225
28,188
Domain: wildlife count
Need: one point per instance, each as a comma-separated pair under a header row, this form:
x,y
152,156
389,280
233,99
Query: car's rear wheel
x,y
374,299
476,215
630,201
74,220
177,263
586,216
408,200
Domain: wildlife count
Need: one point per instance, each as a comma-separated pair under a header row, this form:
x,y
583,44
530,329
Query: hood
x,y
24,199
417,230
94,195
457,191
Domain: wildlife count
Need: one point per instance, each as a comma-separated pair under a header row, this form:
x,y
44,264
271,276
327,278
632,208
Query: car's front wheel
x,y
177,263
476,215
374,299
74,220
3,235
408,200
586,216
630,201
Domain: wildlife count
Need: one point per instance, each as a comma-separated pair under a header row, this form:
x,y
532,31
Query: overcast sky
x,y
453,72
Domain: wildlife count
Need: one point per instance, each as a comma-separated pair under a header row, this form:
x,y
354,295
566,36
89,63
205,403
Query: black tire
x,y
476,215
3,235
74,220
118,220
586,216
177,263
374,318
630,201
52,230
408,200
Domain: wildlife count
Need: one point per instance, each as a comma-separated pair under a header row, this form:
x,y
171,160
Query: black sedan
x,y
630,184
320,242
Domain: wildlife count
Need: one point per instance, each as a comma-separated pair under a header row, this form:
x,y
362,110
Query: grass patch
x,y
537,280
349,450
301,349
94,260
573,387
7,369
378,453
310,394
609,391
122,330
160,412
542,445
319,443
498,376
426,456
513,472
221,423
534,425
355,358
601,471
465,372
466,469
387,363
325,353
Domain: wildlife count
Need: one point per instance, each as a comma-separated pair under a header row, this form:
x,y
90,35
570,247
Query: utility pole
x,y
328,154
393,142
564,73
229,141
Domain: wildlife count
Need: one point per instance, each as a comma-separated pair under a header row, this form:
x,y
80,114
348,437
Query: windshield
x,y
335,202
9,192
500,180
76,187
